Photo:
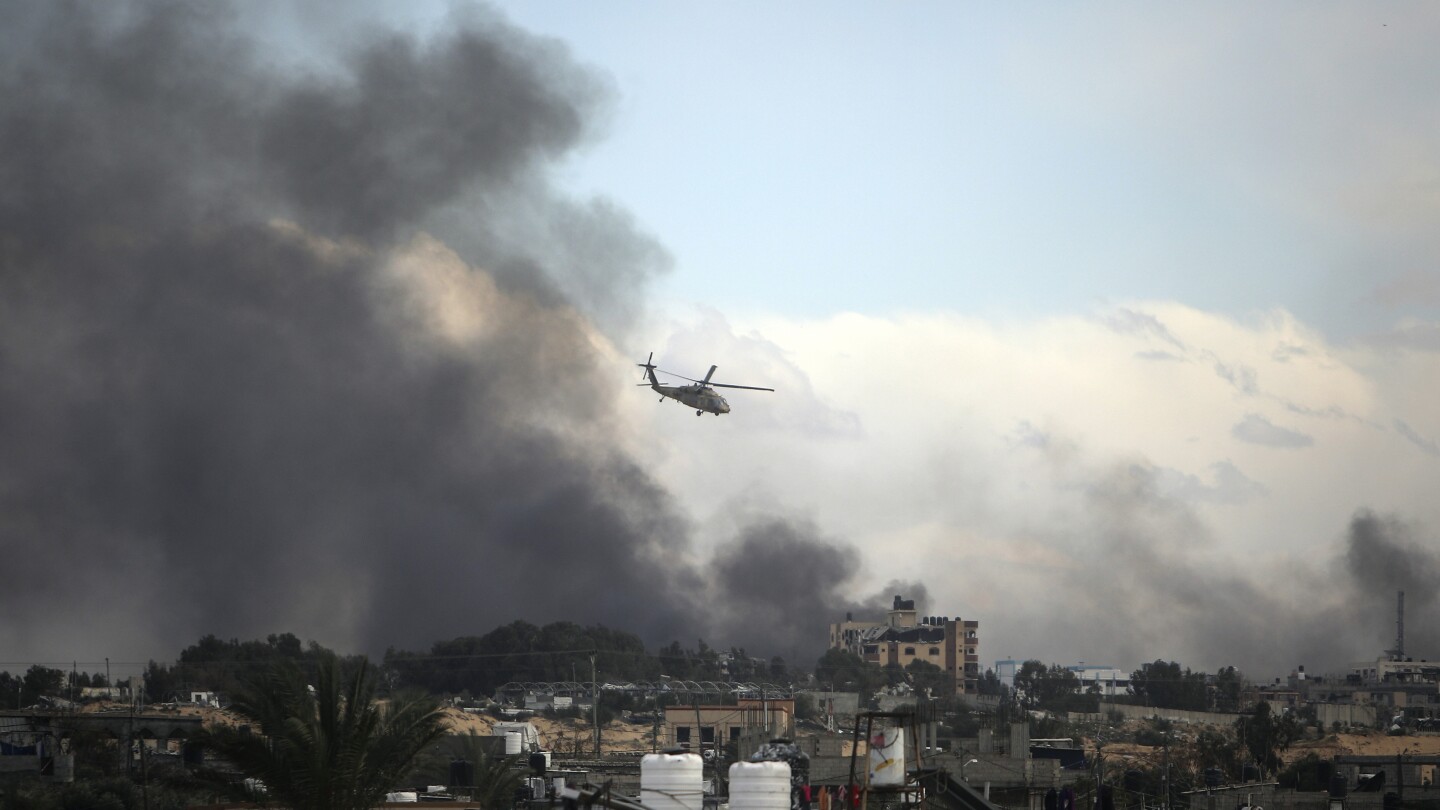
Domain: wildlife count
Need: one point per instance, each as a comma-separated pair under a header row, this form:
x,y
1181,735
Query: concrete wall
x,y
1346,714
844,705
893,703
1178,715
1290,800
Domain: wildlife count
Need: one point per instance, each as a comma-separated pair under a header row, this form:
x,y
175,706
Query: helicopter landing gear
x,y
699,413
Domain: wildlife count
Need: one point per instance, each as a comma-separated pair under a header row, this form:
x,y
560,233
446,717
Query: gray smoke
x,y
1145,588
1383,556
224,410
785,583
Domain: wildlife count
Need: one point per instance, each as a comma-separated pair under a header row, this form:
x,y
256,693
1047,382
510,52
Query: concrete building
x,y
1397,671
952,644
699,728
1109,680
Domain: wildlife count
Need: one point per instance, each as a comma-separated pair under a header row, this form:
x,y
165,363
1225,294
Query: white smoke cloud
x,y
1051,480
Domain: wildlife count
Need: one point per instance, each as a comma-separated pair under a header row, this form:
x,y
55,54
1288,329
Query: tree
x,y
1264,735
1214,748
806,707
330,746
213,664
10,688
989,684
842,669
1165,685
1053,687
1228,684
929,679
42,682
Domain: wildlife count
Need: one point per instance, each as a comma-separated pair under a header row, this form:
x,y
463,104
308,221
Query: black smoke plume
x,y
279,350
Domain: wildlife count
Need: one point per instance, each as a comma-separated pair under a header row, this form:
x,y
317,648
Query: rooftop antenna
x,y
1398,654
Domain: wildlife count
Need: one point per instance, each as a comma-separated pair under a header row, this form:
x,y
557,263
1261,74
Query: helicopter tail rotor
x,y
649,373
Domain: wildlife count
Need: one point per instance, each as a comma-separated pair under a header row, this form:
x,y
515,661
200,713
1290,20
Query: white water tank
x,y
887,757
512,743
760,786
671,782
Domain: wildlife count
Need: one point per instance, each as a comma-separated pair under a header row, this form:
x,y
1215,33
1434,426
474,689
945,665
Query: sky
x,y
1111,327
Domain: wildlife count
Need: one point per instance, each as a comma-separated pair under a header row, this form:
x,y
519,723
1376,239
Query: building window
x,y
707,735
934,650
682,735
870,649
734,734
909,650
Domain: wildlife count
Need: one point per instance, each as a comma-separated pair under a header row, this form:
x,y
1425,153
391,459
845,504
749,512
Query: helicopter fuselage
x,y
700,397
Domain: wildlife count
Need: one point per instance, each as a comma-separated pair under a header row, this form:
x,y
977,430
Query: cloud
x,y
1242,377
1230,485
1094,507
1129,321
1428,445
1410,333
1160,356
1256,429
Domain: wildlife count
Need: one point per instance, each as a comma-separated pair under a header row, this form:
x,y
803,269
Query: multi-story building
x,y
952,644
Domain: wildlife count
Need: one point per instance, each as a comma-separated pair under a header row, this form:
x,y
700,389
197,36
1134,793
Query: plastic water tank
x,y
673,782
512,743
1338,786
462,773
760,786
887,757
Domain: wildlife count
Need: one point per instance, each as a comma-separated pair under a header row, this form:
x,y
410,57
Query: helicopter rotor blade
x,y
746,387
681,376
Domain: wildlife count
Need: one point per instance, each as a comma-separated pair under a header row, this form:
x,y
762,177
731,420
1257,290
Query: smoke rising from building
x,y
279,349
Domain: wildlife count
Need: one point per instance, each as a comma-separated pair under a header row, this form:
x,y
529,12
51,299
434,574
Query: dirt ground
x,y
560,736
1374,743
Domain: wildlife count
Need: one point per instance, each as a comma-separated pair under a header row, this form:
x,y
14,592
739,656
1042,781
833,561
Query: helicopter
x,y
701,396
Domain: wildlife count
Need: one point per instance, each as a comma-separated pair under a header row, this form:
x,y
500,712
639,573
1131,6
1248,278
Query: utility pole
x,y
1166,780
1099,767
595,703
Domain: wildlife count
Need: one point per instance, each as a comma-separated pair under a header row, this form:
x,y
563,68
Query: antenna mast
x,y
1400,626
1398,654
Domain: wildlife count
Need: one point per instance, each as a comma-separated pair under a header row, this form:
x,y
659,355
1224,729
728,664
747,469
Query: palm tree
x,y
329,746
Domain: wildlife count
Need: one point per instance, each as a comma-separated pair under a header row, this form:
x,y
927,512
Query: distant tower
x,y
1398,654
